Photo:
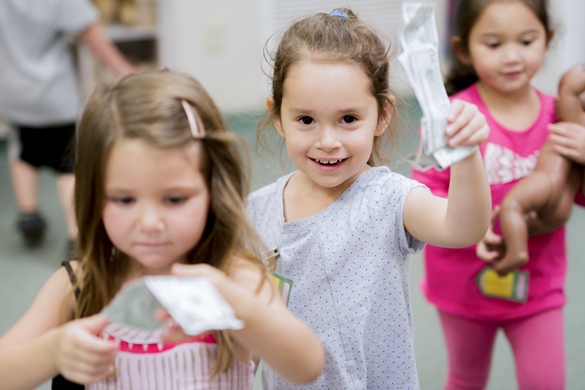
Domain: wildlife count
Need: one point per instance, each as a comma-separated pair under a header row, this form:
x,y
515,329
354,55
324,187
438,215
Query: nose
x,y
328,139
511,54
150,220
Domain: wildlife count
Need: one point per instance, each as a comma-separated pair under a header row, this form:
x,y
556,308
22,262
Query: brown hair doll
x,y
542,202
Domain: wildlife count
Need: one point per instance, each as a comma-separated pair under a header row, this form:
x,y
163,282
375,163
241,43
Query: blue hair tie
x,y
339,13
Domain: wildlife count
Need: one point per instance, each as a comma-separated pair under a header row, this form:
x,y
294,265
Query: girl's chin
x,y
152,266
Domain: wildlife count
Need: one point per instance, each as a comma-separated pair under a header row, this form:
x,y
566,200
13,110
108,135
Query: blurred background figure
x,y
40,96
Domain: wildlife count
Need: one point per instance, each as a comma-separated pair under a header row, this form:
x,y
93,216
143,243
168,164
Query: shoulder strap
x,y
71,277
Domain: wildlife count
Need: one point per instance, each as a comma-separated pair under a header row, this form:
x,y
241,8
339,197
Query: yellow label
x,y
494,284
513,286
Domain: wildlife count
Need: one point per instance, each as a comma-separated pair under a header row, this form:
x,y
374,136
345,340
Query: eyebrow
x,y
488,34
179,187
300,110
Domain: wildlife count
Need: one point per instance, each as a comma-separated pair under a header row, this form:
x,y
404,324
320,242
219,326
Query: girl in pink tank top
x,y
499,47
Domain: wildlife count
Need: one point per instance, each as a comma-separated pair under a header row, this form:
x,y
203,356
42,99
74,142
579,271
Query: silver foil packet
x,y
194,303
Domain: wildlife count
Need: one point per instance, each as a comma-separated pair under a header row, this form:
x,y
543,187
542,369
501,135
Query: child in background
x,y
40,97
159,190
548,194
345,229
500,46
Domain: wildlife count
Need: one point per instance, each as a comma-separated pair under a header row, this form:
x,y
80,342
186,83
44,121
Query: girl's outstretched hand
x,y
80,355
569,139
466,126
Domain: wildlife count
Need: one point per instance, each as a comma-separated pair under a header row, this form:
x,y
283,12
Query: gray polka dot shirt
x,y
350,266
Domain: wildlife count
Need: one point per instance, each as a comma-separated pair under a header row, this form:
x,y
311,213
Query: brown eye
x,y
123,200
175,200
349,119
306,120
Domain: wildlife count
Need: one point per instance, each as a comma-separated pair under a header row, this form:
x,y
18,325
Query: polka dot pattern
x,y
350,266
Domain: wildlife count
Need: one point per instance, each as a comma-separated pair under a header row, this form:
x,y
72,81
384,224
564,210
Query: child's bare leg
x,y
24,181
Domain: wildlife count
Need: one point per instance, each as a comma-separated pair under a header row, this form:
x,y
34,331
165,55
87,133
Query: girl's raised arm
x,y
463,218
271,332
38,347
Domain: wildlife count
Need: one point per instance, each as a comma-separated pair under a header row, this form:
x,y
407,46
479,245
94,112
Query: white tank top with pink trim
x,y
143,363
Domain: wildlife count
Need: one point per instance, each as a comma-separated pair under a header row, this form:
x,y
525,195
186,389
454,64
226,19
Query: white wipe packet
x,y
420,59
193,303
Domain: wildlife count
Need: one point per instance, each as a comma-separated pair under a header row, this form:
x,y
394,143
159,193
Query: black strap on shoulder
x,y
59,382
71,277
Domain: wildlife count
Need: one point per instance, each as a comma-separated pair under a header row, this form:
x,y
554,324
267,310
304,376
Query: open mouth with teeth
x,y
329,162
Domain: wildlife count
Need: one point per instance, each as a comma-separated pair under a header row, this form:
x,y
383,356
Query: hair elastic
x,y
339,13
195,124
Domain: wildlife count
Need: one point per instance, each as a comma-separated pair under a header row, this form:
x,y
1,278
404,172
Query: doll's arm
x,y
38,347
271,332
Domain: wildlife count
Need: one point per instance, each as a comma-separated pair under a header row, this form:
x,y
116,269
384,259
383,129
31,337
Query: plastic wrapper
x,y
420,59
193,303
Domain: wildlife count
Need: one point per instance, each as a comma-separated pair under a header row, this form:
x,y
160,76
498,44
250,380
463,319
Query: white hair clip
x,y
195,123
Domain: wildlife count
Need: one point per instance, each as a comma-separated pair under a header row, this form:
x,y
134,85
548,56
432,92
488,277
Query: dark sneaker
x,y
32,226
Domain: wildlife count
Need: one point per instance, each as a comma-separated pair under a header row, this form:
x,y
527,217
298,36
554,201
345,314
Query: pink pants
x,y
537,343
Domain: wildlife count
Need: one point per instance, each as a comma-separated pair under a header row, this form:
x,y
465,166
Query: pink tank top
x,y
143,363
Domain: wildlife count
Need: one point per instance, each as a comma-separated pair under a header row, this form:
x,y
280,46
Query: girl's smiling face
x,y
506,46
329,118
156,203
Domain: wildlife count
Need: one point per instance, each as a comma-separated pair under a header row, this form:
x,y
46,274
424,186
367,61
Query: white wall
x,y
218,42
221,42
568,45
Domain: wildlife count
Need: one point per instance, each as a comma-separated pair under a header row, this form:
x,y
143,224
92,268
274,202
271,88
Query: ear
x,y
277,122
460,50
551,35
385,116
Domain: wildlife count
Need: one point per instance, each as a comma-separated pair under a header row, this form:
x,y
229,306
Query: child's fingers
x,y
96,345
567,129
174,334
456,107
193,270
566,151
94,324
161,314
460,120
562,140
495,215
492,238
90,376
474,133
482,251
469,127
85,368
212,274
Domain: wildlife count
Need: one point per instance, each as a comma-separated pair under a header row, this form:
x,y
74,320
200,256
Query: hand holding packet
x,y
420,59
193,303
